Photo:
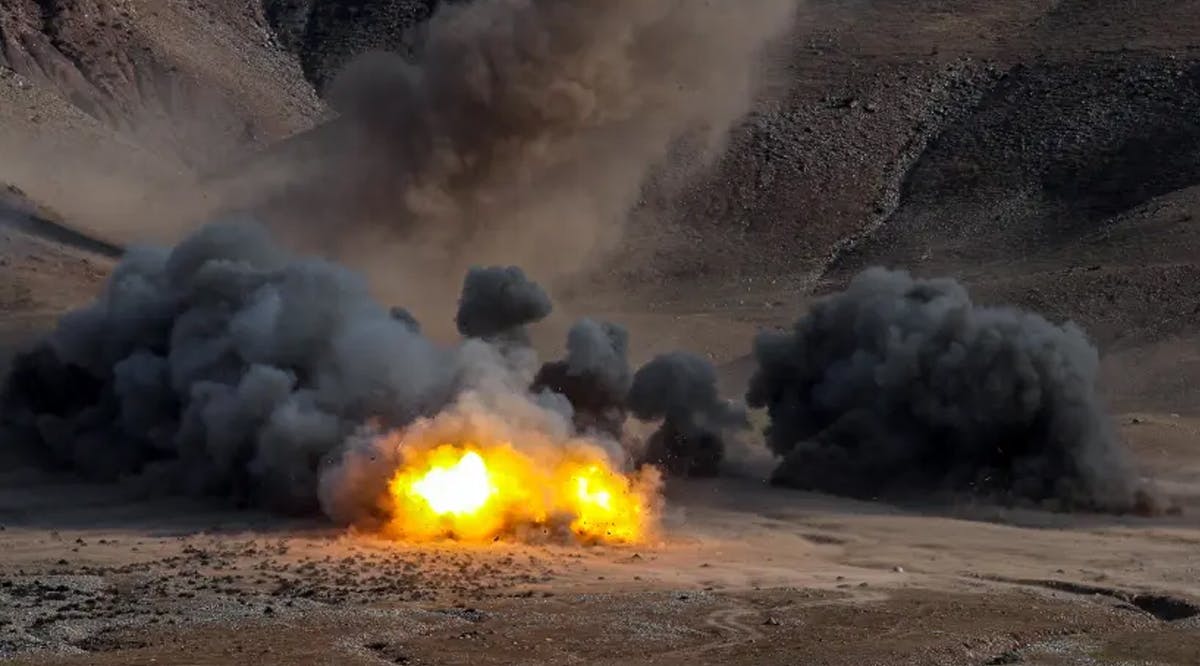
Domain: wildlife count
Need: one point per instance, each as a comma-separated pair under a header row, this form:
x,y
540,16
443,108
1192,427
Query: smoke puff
x,y
902,386
681,390
499,302
601,350
594,378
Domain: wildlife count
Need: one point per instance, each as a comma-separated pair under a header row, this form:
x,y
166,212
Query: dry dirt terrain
x,y
1046,152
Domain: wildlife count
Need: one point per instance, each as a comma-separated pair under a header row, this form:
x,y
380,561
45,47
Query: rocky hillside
x,y
1046,152
195,81
325,34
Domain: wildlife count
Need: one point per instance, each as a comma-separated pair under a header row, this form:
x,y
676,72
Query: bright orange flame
x,y
473,492
460,490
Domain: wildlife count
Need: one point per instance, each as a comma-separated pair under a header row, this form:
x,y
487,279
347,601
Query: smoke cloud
x,y
681,390
228,367
523,130
903,387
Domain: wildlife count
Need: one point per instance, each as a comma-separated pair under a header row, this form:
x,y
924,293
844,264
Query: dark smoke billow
x,y
523,131
223,367
499,302
904,387
227,367
595,376
680,389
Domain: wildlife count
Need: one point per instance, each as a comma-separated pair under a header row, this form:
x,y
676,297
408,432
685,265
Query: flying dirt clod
x,y
903,387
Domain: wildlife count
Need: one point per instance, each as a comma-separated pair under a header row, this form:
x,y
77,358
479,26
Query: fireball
x,y
472,491
460,489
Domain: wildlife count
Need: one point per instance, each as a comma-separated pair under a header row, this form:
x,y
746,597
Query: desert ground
x,y
1046,153
741,573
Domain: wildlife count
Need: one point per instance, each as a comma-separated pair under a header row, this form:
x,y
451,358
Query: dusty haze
x,y
524,131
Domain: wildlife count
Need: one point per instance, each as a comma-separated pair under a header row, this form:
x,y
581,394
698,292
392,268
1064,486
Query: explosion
x,y
462,489
478,492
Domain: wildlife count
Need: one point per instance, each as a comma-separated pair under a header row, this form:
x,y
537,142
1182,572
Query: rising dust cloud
x,y
523,131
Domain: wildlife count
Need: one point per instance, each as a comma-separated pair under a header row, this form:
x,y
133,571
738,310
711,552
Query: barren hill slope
x,y
195,80
990,129
1048,153
326,34
106,104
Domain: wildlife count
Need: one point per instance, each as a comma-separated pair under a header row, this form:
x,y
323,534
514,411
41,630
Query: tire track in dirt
x,y
737,625
732,627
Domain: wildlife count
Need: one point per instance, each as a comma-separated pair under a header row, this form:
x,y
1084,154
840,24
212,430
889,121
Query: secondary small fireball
x,y
475,492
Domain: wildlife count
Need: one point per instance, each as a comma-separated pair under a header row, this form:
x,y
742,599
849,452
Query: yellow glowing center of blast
x,y
589,496
461,489
481,491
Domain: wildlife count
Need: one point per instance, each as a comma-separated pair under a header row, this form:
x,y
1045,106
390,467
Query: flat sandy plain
x,y
742,573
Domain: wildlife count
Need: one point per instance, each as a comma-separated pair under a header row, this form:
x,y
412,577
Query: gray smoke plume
x,y
497,303
903,387
595,377
226,367
523,130
681,389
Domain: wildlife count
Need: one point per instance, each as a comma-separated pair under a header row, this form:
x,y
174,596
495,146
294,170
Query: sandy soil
x,y
741,573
